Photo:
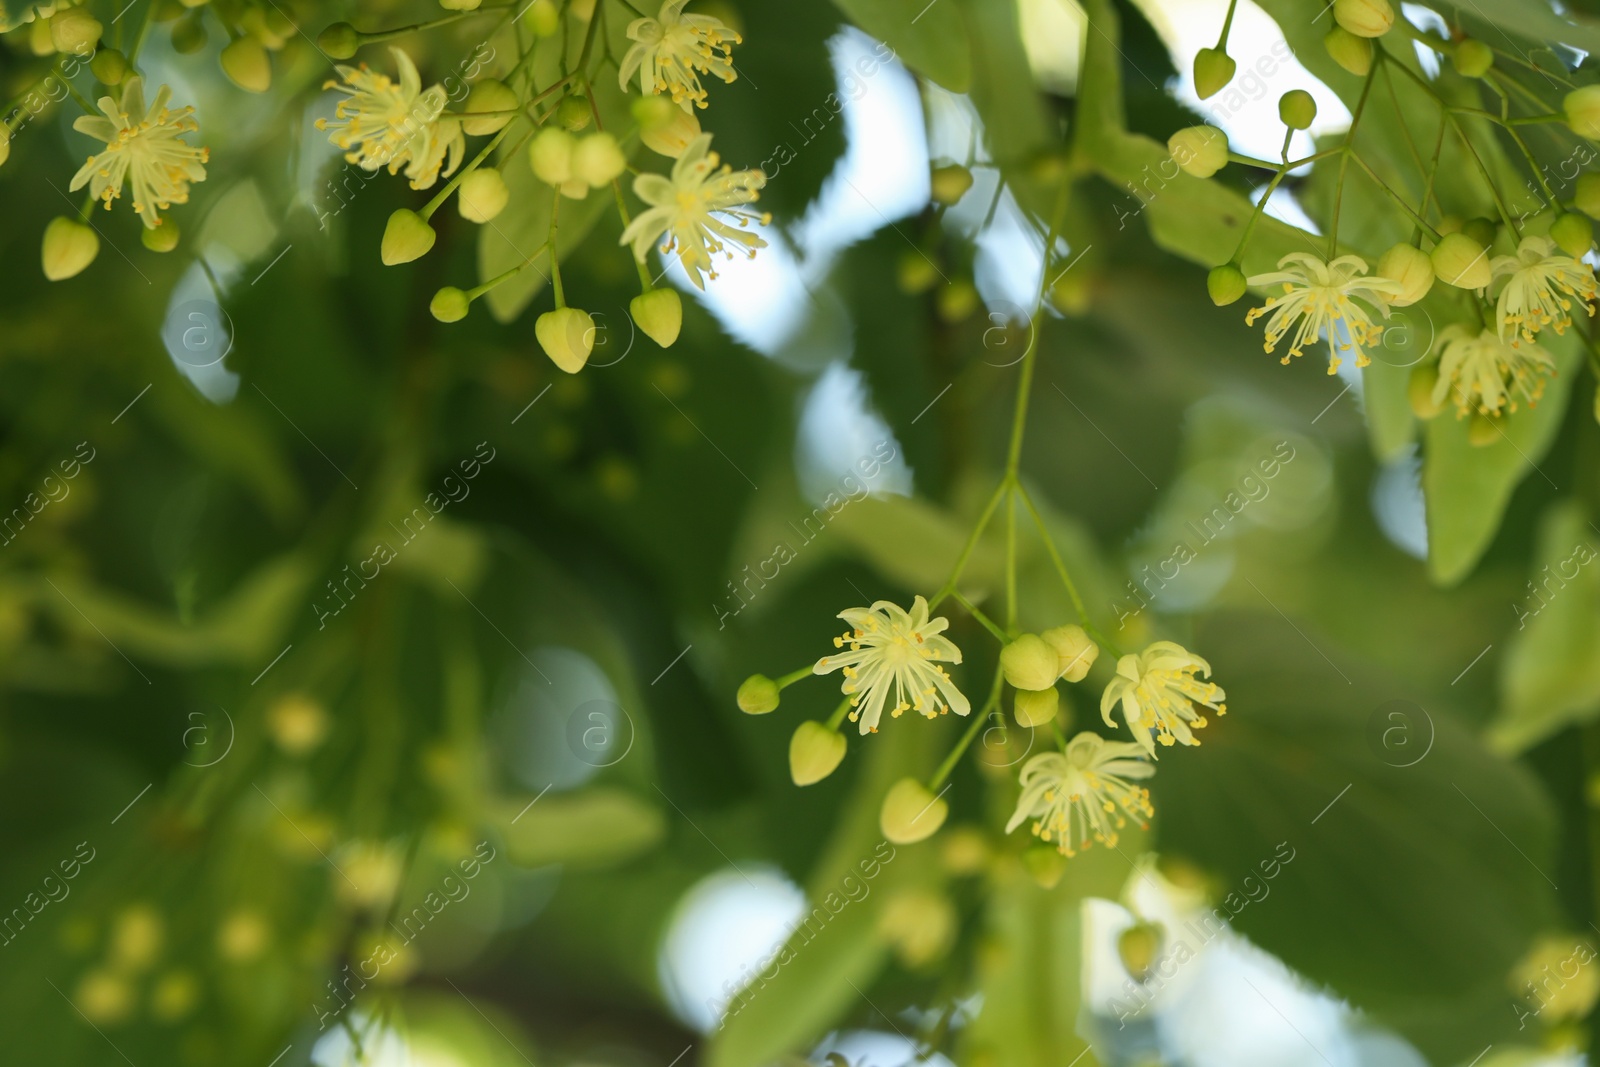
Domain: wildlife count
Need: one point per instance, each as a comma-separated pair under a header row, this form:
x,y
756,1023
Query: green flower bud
x,y
449,304
550,155
1419,390
406,237
189,35
1573,233
1411,267
1483,431
668,132
597,160
1460,261
1297,109
75,31
69,247
340,41
567,337
1030,662
543,18
1450,224
1036,707
5,143
1349,51
1199,150
1045,865
1075,648
109,66
574,113
1586,195
482,195
1480,229
163,238
950,183
1213,68
1139,946
247,65
911,812
460,5
1225,284
758,695
1582,107
1472,58
1364,18
814,752
659,313
488,95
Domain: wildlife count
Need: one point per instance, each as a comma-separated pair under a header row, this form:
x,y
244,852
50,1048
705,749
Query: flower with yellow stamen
x,y
1540,290
14,15
687,208
1318,297
1158,691
1084,794
145,148
394,124
1485,374
894,649
672,50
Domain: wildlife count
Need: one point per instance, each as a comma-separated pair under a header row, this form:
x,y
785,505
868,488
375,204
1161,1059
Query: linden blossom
x,y
383,553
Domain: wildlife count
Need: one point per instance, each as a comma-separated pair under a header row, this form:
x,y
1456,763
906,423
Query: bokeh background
x,y
259,769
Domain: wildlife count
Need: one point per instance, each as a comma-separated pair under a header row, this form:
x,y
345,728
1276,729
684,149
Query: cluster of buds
x,y
1033,663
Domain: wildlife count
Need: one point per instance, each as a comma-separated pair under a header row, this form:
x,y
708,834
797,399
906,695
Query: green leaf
x,y
1468,487
1551,677
1536,20
928,37
1399,847
914,543
1030,968
243,629
818,976
590,828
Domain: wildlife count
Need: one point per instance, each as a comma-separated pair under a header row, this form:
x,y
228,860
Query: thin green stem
x,y
144,32
794,676
1011,561
1227,24
962,745
1396,197
837,718
988,623
1344,160
507,275
972,543
555,257
379,36
1488,179
450,186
